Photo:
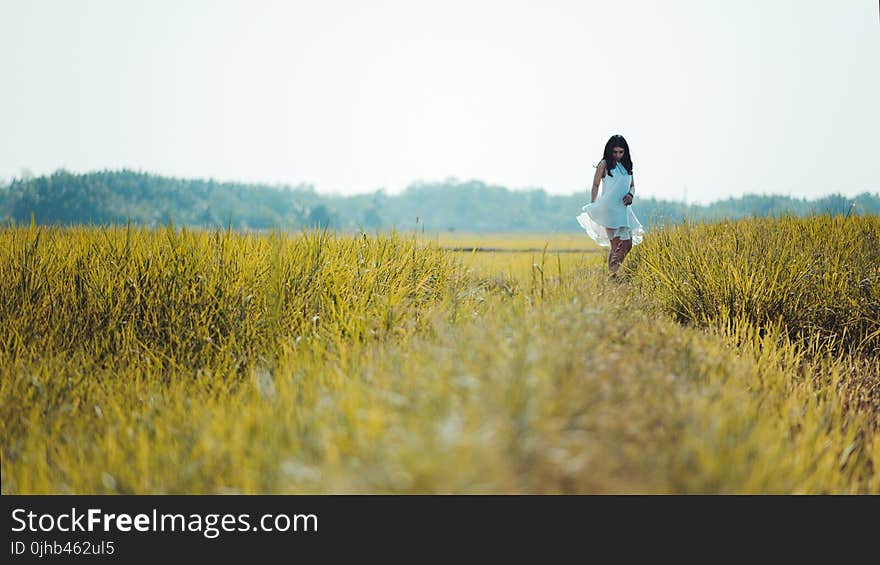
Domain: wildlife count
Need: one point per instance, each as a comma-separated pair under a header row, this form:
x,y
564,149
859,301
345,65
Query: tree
x,y
371,218
320,216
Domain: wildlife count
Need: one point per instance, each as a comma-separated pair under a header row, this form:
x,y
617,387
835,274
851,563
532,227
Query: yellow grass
x,y
136,361
519,240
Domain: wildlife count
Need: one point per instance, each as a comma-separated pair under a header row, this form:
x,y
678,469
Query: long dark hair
x,y
617,140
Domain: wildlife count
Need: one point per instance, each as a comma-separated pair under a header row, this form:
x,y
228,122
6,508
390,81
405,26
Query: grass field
x,y
732,357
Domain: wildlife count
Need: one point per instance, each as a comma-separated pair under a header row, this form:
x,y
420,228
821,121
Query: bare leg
x,y
613,247
623,248
614,253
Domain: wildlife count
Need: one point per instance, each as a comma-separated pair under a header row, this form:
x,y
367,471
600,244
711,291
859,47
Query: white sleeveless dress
x,y
609,211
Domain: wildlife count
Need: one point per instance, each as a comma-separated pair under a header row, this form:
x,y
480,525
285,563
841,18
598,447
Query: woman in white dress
x,y
609,219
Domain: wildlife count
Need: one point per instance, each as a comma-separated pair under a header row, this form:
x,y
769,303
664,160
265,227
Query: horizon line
x,y
417,182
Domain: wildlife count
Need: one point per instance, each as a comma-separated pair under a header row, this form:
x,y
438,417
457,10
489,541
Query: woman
x,y
609,220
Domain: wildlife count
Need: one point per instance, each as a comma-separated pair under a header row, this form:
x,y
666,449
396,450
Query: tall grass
x,y
819,276
421,373
815,280
131,305
198,299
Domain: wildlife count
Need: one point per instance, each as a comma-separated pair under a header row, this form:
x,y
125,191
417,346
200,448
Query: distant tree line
x,y
118,196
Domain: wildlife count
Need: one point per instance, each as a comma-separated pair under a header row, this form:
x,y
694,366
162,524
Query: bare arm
x,y
597,178
628,198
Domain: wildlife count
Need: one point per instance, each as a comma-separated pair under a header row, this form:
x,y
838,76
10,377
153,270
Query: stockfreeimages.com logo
x,y
209,525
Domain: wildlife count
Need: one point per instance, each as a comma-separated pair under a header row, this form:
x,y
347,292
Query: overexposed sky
x,y
716,98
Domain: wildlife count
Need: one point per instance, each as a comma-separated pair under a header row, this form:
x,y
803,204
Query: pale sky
x,y
716,98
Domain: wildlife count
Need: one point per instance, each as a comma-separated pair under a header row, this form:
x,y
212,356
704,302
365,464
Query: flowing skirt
x,y
597,231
